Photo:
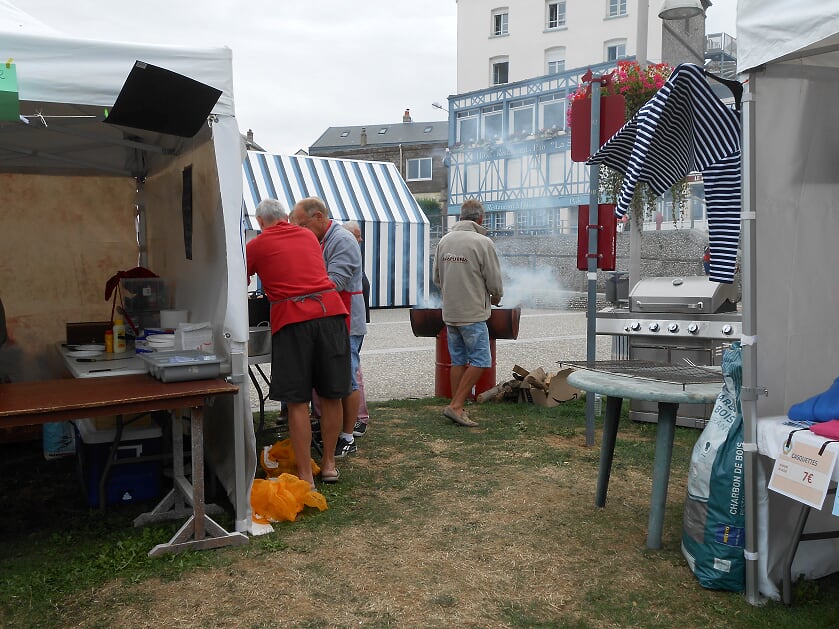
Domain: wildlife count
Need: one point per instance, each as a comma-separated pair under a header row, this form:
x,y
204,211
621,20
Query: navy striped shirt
x,y
684,128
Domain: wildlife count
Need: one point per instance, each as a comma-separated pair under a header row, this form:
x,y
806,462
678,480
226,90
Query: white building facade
x,y
504,41
517,64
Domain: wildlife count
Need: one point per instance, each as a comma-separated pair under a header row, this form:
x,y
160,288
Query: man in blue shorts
x,y
467,271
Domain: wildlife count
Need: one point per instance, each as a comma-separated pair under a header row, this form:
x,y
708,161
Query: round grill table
x,y
668,395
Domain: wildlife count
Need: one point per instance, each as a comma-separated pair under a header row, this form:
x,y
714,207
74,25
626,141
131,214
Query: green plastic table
x,y
668,395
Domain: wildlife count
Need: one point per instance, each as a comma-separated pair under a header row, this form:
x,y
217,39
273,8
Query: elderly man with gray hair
x,y
467,271
342,255
310,347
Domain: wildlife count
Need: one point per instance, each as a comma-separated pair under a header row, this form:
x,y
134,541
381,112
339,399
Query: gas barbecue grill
x,y
677,321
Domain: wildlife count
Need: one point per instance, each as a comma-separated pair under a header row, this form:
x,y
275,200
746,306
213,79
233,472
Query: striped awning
x,y
396,234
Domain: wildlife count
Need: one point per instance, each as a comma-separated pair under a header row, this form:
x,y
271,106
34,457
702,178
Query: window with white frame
x,y
553,112
419,169
615,49
467,127
500,68
521,117
555,60
492,118
617,8
554,14
500,21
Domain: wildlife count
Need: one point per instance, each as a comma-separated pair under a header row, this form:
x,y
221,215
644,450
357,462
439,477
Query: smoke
x,y
532,288
523,286
434,300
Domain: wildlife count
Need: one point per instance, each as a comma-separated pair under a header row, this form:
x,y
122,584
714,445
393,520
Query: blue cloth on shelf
x,y
819,408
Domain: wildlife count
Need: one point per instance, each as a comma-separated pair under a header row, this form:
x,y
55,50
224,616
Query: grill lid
x,y
690,295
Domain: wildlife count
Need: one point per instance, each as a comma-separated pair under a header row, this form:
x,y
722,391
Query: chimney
x,y
406,117
250,136
363,136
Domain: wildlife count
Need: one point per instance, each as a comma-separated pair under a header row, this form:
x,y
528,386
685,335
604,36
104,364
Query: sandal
x,y
330,477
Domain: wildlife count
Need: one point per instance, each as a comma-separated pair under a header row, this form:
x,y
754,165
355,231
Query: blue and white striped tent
x,y
396,233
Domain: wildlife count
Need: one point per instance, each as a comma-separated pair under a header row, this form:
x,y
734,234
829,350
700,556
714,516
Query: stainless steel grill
x,y
671,320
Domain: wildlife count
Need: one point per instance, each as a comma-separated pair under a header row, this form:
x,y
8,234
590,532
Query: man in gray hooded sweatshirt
x,y
467,271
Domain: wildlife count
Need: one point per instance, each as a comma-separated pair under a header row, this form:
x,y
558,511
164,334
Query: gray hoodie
x,y
467,271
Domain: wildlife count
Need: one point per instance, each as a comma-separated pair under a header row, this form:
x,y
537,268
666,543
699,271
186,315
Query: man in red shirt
x,y
310,346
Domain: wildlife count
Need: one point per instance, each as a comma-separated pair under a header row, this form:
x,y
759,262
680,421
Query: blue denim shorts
x,y
469,345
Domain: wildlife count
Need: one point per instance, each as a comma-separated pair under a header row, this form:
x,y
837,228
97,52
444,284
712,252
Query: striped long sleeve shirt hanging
x,y
684,128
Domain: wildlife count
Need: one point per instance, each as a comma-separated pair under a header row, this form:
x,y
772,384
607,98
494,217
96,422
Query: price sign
x,y
801,473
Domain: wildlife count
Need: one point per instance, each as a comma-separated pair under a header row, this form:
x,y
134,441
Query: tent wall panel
x,y
62,238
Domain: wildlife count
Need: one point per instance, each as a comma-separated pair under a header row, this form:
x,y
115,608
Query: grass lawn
x,y
432,525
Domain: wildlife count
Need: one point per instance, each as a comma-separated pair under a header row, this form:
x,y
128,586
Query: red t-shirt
x,y
289,261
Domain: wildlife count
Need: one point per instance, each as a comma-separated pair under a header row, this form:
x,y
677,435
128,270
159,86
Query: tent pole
x,y
593,231
750,391
142,237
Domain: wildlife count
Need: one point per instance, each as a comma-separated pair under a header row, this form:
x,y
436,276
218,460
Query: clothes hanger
x,y
735,86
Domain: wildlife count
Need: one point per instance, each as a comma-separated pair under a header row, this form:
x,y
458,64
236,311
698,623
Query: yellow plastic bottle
x,y
119,336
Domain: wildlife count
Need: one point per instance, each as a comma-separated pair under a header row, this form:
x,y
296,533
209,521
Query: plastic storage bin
x,y
143,299
126,482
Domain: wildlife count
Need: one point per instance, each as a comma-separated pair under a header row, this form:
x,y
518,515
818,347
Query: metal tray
x,y
182,365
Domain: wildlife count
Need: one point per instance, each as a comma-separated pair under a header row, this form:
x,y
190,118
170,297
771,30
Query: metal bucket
x,y
259,340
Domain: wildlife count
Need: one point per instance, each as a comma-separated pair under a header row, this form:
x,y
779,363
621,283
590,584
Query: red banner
x,y
612,112
606,237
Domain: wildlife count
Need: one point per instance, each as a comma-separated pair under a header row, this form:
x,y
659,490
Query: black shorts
x,y
310,355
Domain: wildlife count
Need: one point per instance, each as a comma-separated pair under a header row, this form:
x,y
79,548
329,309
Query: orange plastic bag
x,y
281,499
279,459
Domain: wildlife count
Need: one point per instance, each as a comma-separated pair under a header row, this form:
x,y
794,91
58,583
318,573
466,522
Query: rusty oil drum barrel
x,y
503,323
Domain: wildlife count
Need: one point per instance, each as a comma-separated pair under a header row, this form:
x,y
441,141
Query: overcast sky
x,y
300,66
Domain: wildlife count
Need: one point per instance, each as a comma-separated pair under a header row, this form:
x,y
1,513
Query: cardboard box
x,y
126,482
558,391
83,332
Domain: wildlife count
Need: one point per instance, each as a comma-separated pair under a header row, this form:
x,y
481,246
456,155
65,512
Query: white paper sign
x,y
801,473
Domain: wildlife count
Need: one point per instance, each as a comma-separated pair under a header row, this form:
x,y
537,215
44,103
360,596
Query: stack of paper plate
x,y
161,341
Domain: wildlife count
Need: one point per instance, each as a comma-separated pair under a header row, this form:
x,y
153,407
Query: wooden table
x,y
668,395
29,403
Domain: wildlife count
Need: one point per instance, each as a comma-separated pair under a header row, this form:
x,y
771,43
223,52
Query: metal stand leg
x,y
661,471
199,531
261,397
800,523
607,448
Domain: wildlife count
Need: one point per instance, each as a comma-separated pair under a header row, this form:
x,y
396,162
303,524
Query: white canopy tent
x,y
789,53
83,199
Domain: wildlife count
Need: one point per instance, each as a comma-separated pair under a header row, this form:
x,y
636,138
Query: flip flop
x,y
461,420
330,478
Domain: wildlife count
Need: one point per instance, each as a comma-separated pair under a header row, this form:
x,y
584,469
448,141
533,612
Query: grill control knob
x,y
673,327
653,327
693,328
728,329
635,326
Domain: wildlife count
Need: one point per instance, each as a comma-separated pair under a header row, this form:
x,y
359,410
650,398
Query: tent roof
x,y
66,84
352,189
776,30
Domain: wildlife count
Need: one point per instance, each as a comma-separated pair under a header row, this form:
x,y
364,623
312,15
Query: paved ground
x,y
398,365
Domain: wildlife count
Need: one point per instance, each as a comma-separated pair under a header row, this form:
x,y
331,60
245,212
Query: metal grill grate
x,y
651,370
